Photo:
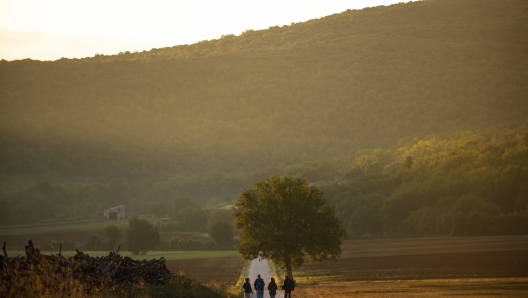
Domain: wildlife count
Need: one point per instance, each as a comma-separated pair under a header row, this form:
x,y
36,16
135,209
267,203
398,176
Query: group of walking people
x,y
259,284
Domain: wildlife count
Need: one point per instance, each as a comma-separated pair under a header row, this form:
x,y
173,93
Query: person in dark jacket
x,y
259,286
288,287
272,288
247,289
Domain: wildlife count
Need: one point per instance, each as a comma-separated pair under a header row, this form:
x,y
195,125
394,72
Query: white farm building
x,y
117,212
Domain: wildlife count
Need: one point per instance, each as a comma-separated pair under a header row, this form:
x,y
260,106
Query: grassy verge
x,y
236,289
240,280
243,273
276,272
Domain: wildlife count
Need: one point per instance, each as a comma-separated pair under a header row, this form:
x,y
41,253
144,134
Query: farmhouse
x,y
117,212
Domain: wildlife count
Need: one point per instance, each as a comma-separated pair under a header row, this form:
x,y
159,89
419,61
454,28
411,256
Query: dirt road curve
x,y
262,267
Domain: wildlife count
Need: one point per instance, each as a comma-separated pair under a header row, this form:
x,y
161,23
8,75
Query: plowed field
x,y
421,267
221,270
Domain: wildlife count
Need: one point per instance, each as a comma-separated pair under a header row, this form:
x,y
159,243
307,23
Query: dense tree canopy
x,y
222,232
141,235
285,219
160,210
308,91
464,184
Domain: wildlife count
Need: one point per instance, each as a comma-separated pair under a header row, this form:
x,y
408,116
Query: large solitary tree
x,y
286,220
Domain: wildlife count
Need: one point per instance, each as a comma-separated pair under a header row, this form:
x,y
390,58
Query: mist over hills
x,y
305,92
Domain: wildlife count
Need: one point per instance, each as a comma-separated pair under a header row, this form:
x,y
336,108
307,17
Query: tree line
x,y
466,184
142,235
463,183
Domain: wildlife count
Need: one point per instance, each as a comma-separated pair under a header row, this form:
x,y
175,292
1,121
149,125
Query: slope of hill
x,y
358,79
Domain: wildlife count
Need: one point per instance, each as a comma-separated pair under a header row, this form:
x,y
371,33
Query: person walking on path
x,y
263,268
259,286
288,287
272,288
247,289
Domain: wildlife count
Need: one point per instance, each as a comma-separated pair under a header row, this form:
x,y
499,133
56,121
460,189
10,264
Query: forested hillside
x,y
463,184
308,91
459,184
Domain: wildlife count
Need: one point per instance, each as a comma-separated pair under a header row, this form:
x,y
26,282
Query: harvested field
x,y
62,227
78,232
482,287
79,237
221,270
421,267
414,246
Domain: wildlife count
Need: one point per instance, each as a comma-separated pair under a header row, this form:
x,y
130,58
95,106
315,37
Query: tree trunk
x,y
287,264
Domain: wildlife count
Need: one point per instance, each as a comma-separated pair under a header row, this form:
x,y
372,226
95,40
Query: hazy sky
x,y
51,29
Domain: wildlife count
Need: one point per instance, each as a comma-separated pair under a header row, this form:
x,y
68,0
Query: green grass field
x,y
168,255
186,255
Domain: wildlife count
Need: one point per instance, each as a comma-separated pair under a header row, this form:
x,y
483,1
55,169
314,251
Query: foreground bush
x,y
46,283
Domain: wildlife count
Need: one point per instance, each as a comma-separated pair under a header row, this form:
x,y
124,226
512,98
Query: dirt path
x,y
262,267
